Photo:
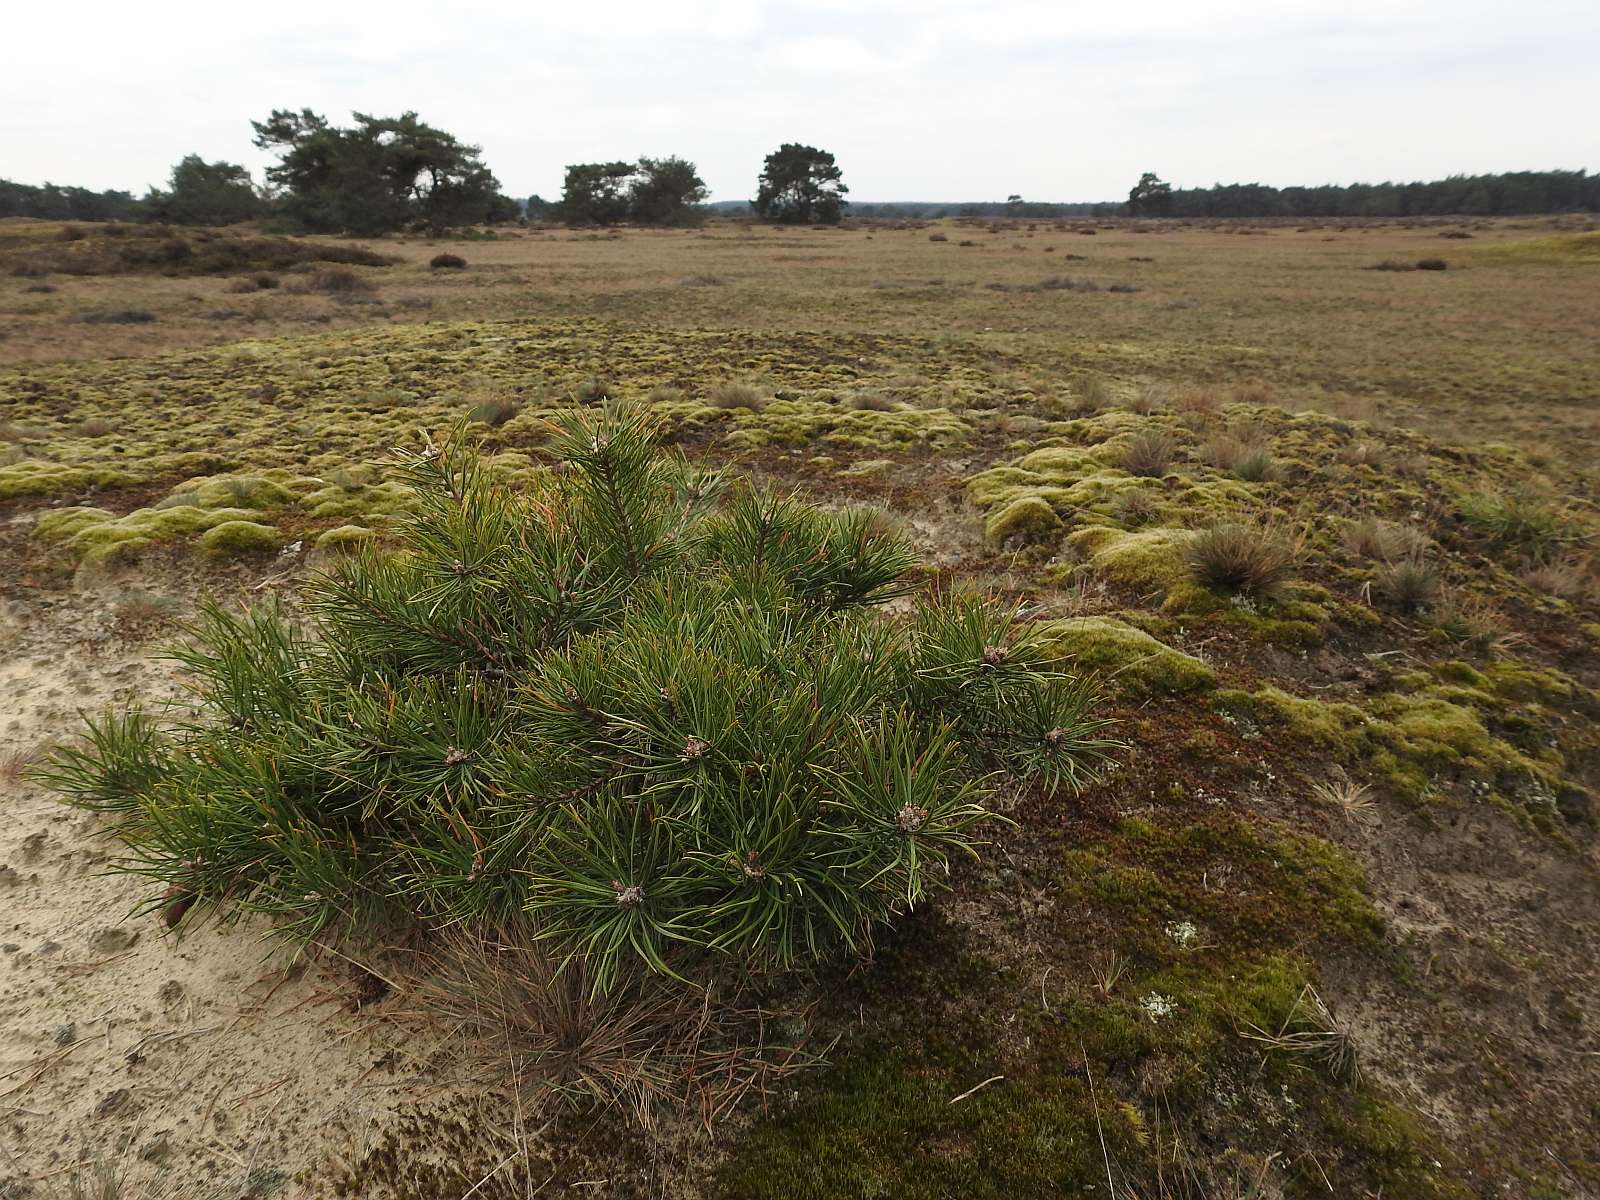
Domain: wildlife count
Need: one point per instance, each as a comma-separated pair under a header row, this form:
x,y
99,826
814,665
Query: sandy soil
x,y
200,1065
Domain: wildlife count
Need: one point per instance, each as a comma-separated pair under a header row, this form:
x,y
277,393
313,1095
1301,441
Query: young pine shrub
x,y
658,717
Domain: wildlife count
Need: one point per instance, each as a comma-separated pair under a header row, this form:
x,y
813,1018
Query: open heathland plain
x,y
1315,516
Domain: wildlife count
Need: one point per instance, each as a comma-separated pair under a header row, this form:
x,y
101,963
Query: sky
x,y
918,99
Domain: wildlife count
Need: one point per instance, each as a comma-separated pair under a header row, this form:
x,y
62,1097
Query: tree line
x,y
1505,194
387,174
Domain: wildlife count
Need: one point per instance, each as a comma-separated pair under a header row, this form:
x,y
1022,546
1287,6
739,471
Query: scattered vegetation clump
x,y
1382,540
1474,620
1253,559
1421,264
495,411
735,393
259,282
337,281
649,711
115,316
1093,392
159,250
1519,522
1245,458
1150,454
1408,584
447,262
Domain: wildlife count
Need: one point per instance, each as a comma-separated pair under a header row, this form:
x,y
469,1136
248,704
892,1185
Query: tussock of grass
x,y
1254,559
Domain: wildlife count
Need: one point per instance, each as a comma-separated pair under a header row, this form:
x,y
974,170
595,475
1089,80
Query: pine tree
x,y
659,714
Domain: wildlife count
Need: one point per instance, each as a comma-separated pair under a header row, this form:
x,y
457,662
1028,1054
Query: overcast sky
x,y
919,99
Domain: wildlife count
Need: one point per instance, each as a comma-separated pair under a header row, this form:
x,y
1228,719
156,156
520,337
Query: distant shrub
x,y
867,400
1517,522
1566,579
115,316
1455,233
1473,620
665,393
261,281
1150,454
592,389
336,281
1422,264
447,262
938,237
1381,540
153,249
494,412
651,714
1092,393
39,289
967,242
1244,458
1197,403
1409,584
1150,399
1067,283
1137,508
1246,558
734,393
703,281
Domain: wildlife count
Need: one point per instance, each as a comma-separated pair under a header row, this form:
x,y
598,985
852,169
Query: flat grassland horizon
x,y
1311,507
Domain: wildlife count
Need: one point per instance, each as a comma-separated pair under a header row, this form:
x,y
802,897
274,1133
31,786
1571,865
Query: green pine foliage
x,y
663,716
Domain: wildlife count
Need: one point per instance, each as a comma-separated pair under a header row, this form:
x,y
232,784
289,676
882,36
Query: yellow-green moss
x,y
240,539
1149,560
1131,660
344,537
60,524
1025,519
32,478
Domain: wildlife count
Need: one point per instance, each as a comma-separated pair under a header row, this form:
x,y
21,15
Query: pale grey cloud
x,y
920,99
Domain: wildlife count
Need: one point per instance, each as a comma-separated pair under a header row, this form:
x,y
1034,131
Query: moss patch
x,y
240,539
1132,661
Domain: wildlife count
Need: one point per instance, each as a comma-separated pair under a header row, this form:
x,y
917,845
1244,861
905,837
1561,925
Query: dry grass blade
x,y
19,760
1309,1031
523,1014
1354,800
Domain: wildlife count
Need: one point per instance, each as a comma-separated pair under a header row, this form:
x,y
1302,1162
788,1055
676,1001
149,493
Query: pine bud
x,y
993,656
910,818
455,757
631,896
1055,738
694,749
